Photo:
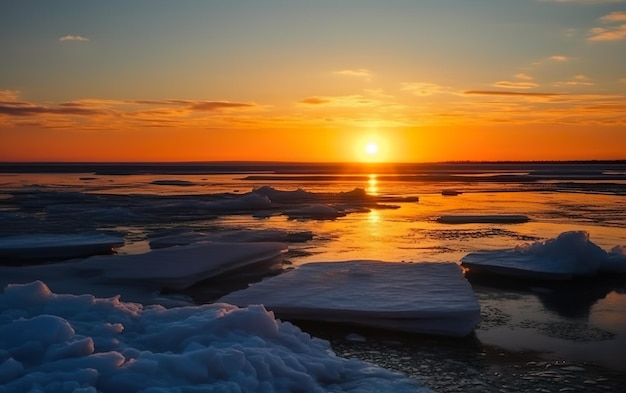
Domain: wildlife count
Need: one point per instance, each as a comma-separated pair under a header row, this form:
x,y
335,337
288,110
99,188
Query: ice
x,y
568,255
315,211
65,343
430,298
235,236
486,219
56,246
182,266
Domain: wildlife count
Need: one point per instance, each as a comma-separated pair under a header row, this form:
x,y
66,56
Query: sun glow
x,y
371,148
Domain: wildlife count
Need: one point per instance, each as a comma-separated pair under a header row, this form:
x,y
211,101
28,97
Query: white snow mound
x,y
69,343
568,255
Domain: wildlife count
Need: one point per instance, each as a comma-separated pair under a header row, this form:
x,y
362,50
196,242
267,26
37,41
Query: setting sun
x,y
371,148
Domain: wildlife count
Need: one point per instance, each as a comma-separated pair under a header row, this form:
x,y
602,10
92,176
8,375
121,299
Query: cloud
x,y
315,100
219,105
583,1
70,37
358,72
524,77
617,16
510,93
9,95
515,85
612,31
559,58
94,114
28,109
578,80
422,88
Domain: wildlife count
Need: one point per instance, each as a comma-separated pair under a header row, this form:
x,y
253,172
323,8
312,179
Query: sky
x,y
323,80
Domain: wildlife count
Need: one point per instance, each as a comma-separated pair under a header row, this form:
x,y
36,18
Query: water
x,y
583,321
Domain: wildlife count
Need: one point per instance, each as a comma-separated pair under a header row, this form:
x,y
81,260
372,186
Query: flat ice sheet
x,y
57,246
180,267
430,298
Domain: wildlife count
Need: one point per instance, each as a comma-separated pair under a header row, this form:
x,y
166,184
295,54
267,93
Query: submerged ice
x,y
66,343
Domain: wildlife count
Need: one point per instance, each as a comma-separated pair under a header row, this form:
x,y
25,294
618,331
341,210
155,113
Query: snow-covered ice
x,y
47,246
568,255
429,298
182,266
66,343
483,219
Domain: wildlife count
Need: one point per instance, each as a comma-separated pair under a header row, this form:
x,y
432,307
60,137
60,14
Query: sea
x,y
583,320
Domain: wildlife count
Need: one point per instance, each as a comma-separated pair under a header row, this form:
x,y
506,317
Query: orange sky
x,y
155,81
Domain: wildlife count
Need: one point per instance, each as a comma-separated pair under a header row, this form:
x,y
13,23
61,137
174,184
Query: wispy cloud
x,y
355,100
559,58
612,30
8,95
509,93
100,114
422,88
617,16
583,1
357,72
70,37
515,85
578,80
523,76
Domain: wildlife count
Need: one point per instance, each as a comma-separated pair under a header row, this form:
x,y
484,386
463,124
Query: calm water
x,y
583,321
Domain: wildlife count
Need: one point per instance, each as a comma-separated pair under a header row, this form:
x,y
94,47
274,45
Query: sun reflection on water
x,y
372,184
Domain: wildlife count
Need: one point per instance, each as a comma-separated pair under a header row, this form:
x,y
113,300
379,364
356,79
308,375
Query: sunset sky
x,y
318,80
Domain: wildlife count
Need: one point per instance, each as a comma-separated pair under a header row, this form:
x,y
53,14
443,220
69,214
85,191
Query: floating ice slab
x,y
429,298
569,255
316,211
234,236
69,343
182,266
486,219
56,246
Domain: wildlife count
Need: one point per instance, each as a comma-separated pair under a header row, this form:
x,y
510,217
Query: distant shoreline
x,y
279,167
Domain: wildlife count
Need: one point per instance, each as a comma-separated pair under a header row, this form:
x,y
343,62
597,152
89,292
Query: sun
x,y
371,148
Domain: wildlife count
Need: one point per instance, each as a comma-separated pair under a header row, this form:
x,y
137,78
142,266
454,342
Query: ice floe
x,y
66,343
49,247
182,266
316,211
429,298
231,236
483,219
568,255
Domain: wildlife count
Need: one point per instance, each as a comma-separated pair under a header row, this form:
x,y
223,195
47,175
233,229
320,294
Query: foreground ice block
x,y
568,255
428,298
182,266
42,247
66,343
